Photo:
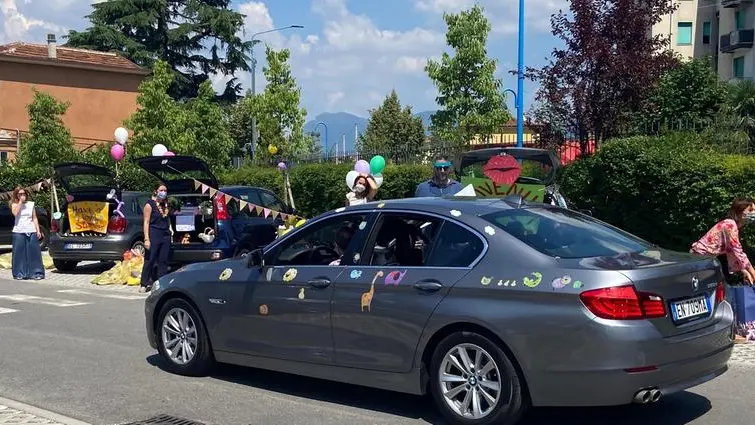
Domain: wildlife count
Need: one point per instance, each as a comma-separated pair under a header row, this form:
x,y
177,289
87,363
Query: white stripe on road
x,y
98,294
41,300
7,310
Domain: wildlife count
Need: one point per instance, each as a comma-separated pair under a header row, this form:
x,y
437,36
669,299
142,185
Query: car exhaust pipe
x,y
655,395
642,397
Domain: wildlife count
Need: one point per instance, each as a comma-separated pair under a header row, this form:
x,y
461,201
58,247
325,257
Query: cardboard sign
x,y
88,216
486,188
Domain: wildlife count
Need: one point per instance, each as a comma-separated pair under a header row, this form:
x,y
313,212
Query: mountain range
x,y
341,126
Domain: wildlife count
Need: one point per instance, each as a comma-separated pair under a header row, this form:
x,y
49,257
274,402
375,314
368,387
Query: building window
x,y
3,156
739,67
684,34
739,20
706,32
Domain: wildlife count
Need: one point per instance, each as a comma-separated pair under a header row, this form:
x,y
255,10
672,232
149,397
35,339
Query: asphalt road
x,y
82,353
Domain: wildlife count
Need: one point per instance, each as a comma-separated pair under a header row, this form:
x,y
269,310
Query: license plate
x,y
77,246
690,308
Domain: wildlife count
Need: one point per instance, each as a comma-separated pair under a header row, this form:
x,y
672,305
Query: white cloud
x,y
16,25
334,97
440,6
411,64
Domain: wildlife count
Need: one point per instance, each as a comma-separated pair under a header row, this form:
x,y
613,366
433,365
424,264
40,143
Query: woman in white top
x,y
364,190
27,254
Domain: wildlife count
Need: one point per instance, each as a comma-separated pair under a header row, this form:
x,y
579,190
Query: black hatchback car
x,y
7,221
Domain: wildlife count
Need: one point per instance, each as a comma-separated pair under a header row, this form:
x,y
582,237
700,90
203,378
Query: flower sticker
x,y
455,213
355,274
485,281
289,275
362,225
381,205
226,274
264,310
301,293
489,230
340,209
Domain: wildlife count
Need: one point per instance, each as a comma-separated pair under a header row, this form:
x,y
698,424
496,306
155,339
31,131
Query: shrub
x,y
669,190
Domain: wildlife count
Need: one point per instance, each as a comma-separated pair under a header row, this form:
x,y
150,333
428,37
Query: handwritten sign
x,y
488,189
88,216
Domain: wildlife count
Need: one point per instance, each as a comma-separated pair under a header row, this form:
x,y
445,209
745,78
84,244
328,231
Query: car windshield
x,y
566,234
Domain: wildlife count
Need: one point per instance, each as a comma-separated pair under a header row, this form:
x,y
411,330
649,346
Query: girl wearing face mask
x,y
157,238
723,240
27,254
363,191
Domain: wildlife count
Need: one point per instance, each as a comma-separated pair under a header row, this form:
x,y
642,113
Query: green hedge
x,y
669,190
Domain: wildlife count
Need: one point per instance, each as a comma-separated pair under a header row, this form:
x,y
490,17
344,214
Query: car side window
x,y
321,244
455,247
404,239
248,195
271,201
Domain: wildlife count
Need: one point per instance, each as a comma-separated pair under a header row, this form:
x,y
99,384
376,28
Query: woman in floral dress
x,y
723,239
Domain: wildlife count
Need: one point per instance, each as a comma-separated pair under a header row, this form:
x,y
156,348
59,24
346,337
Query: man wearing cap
x,y
440,184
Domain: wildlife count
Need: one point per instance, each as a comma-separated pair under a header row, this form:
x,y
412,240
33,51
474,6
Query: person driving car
x,y
343,237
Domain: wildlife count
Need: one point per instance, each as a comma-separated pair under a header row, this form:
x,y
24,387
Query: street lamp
x,y
520,81
516,106
254,72
326,136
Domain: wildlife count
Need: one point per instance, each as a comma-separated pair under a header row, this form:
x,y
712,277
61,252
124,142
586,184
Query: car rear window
x,y
566,234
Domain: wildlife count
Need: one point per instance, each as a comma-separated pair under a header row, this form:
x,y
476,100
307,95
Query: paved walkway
x,y
13,412
80,278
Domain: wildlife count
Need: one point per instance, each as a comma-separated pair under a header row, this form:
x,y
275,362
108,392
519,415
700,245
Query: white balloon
x,y
159,150
378,179
121,135
351,177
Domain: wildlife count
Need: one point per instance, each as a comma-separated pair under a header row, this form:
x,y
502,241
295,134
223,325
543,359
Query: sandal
x,y
143,289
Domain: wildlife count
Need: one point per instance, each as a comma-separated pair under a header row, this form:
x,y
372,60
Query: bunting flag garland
x,y
36,187
253,208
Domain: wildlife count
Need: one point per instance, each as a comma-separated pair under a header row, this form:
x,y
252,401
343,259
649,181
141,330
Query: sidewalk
x,y
13,412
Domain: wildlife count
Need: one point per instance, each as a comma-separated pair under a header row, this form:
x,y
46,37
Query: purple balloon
x,y
282,166
117,152
362,167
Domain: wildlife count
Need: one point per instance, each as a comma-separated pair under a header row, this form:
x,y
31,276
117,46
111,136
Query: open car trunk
x,y
192,212
534,182
90,199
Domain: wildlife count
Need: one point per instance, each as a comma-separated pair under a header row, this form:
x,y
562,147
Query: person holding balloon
x,y
364,180
363,191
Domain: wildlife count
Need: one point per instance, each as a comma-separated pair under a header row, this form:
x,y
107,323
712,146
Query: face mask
x,y
359,188
162,194
749,217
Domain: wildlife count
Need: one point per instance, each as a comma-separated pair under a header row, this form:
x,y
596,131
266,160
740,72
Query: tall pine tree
x,y
392,131
195,37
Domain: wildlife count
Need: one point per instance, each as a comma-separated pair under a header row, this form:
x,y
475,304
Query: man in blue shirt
x,y
440,184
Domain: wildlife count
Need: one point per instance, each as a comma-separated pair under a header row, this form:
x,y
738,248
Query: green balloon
x,y
377,164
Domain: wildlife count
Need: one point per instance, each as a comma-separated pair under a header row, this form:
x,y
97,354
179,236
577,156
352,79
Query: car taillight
x,y
221,211
623,303
720,293
117,224
54,226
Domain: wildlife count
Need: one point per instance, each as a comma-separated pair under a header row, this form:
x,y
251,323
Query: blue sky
x,y
351,53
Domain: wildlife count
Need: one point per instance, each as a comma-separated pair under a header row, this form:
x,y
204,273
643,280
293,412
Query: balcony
x,y
735,3
737,39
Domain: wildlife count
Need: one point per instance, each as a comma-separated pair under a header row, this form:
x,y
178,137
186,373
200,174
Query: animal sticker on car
x,y
225,275
533,281
289,275
355,274
507,283
301,293
394,277
561,282
577,284
366,301
485,281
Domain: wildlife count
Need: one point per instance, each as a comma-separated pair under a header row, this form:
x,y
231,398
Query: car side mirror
x,y
255,259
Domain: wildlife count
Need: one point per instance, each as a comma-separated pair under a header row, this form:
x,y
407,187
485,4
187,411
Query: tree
x,y
607,67
212,140
195,37
470,95
280,119
686,98
392,131
48,141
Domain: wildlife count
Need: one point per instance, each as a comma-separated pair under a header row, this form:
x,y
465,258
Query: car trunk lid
x,y
86,181
178,172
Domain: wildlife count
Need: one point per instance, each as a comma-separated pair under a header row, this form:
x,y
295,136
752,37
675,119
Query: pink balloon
x,y
169,153
117,152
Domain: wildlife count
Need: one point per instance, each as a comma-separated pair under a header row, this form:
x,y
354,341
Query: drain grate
x,y
165,420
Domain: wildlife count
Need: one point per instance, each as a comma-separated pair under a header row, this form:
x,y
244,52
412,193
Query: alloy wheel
x,y
470,381
179,336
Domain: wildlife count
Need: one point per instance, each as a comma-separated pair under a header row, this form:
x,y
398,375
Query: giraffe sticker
x,y
367,296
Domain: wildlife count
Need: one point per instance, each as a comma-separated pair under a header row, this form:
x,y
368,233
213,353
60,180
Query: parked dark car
x,y
491,305
7,222
237,231
86,182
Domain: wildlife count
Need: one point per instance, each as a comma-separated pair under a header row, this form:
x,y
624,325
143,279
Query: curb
x,y
46,414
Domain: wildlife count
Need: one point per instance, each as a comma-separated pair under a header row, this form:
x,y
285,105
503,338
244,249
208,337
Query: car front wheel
x,y
182,339
65,265
473,382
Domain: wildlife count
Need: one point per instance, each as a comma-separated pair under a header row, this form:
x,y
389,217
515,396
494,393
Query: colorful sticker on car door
x,y
395,277
366,301
289,275
533,281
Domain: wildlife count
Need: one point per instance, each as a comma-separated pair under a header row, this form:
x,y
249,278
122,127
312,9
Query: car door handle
x,y
319,283
428,285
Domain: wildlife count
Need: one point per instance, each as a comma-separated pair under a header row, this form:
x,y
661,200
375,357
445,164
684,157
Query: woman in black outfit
x,y
157,238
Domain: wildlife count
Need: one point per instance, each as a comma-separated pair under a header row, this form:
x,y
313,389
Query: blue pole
x,y
520,81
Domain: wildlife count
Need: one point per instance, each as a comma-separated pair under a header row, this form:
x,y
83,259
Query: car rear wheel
x,y
473,382
65,265
182,339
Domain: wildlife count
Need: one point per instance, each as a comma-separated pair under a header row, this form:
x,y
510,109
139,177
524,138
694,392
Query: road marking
x,y
99,294
7,310
42,300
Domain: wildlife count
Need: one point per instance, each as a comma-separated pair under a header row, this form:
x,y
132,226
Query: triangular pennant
x,y
205,188
284,216
228,198
197,184
242,204
258,209
275,214
251,207
267,212
213,191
